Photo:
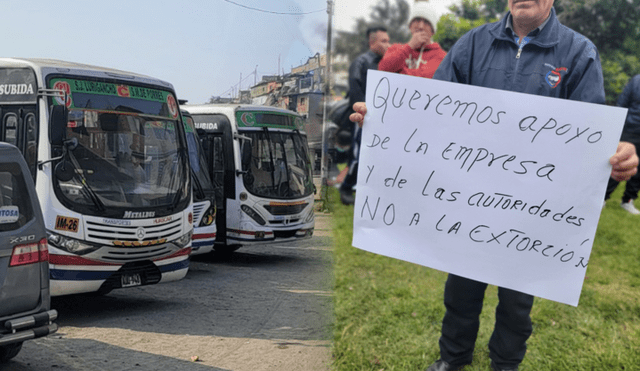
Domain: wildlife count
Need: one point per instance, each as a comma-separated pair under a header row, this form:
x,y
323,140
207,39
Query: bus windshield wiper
x,y
89,192
199,188
273,164
181,165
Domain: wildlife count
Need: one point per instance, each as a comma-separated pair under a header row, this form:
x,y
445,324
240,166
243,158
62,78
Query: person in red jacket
x,y
420,56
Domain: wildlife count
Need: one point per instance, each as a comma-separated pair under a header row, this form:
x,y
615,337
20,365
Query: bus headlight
x,y
253,214
310,217
209,217
183,241
71,245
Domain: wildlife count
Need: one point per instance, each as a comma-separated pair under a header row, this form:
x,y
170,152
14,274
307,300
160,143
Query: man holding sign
x,y
528,51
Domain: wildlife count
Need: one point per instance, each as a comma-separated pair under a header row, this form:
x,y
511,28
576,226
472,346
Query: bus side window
x,y
30,152
10,129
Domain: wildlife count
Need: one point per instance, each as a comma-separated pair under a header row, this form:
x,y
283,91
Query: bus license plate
x,y
133,279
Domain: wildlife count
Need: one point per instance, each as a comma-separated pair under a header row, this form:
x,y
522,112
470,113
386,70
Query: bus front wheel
x,y
9,351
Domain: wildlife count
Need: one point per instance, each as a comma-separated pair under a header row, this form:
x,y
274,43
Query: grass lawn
x,y
388,312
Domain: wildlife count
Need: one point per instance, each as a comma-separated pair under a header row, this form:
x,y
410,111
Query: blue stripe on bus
x,y
183,264
73,275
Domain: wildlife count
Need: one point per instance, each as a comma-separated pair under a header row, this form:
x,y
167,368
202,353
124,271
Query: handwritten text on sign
x,y
500,187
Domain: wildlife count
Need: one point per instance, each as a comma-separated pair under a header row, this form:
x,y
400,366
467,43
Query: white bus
x,y
260,158
204,204
108,155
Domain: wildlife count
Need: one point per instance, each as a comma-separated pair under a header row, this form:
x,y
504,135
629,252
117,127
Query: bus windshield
x,y
276,164
127,150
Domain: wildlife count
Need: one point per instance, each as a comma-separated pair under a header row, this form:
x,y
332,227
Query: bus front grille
x,y
132,241
291,209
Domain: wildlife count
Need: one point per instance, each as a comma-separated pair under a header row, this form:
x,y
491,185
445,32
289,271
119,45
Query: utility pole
x,y
324,160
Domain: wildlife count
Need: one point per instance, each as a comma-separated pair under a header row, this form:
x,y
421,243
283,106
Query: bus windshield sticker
x,y
248,119
268,119
9,214
83,88
17,85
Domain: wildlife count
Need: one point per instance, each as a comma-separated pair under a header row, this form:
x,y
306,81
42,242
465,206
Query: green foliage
x,y
614,27
392,15
389,312
450,29
618,68
480,9
608,23
465,17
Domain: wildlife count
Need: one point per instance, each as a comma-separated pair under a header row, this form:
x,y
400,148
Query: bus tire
x,y
9,351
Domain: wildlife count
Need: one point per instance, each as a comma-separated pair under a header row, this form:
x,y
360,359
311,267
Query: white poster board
x,y
500,187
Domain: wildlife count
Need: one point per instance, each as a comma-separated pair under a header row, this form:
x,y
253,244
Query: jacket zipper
x,y
515,71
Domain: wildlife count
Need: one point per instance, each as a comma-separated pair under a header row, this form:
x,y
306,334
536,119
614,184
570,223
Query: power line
x,y
272,12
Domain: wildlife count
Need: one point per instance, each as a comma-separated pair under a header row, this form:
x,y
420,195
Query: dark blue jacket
x,y
557,62
630,98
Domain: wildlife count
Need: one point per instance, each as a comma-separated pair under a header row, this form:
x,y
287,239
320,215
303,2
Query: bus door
x,y
20,128
213,147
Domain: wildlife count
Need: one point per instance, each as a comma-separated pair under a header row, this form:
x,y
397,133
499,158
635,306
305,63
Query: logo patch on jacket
x,y
554,77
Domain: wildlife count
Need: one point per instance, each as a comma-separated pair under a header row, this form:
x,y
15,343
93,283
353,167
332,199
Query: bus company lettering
x,y
116,222
139,214
16,89
94,87
166,219
207,125
139,92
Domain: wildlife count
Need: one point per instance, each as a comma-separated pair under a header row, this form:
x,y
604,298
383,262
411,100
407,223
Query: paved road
x,y
262,308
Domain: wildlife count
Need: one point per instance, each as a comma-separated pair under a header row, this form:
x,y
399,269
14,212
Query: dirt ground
x,y
225,353
264,308
228,353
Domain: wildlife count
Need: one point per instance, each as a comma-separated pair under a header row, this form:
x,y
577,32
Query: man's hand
x,y
360,109
418,39
624,163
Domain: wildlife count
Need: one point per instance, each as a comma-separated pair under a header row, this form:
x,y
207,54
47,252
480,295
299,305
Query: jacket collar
x,y
548,37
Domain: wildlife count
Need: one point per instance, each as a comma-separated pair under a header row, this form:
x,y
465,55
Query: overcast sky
x,y
203,47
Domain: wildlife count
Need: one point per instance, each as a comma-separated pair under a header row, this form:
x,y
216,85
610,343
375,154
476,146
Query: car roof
x,y
229,109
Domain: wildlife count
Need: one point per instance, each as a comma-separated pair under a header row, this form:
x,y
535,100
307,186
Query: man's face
x,y
421,25
379,42
530,11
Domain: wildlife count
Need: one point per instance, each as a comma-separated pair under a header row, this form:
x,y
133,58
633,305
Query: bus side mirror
x,y
58,118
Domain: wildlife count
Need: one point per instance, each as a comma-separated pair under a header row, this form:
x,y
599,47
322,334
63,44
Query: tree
x,y
614,27
480,9
466,16
392,15
608,23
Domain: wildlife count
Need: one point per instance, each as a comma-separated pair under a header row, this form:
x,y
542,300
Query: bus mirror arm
x,y
69,144
41,163
242,137
241,172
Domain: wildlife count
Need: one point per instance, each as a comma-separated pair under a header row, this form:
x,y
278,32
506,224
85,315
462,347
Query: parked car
x,y
24,267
